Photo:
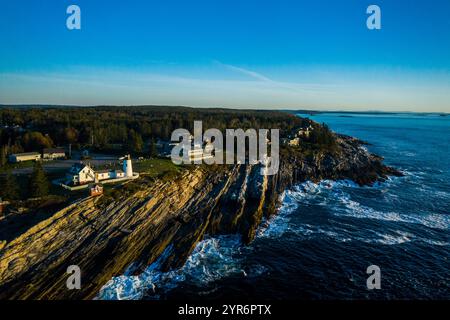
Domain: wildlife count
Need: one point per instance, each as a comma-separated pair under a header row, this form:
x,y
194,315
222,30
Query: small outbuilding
x,y
95,190
22,157
53,153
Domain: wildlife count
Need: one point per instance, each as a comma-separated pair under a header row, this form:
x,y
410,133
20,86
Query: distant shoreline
x,y
315,112
294,111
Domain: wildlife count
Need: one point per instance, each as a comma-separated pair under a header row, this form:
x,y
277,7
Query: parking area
x,y
97,160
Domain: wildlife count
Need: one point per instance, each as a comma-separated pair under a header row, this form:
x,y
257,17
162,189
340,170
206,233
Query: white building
x,y
103,174
21,157
305,132
52,154
109,174
197,152
81,173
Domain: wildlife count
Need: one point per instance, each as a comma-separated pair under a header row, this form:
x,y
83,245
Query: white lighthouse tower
x,y
127,166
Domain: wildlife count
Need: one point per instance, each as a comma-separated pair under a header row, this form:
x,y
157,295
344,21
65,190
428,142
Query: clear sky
x,y
231,53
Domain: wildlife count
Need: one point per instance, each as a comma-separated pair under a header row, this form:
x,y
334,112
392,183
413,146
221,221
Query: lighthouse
x,y
127,166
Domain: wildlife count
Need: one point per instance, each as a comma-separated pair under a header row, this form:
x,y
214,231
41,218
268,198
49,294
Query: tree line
x,y
132,129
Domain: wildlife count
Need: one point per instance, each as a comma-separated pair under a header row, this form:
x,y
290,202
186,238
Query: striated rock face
x,y
105,241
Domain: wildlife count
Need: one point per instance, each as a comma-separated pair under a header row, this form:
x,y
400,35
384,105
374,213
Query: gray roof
x,y
103,171
54,150
77,167
26,154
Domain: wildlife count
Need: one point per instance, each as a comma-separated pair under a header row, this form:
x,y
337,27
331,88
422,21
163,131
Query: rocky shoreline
x,y
173,215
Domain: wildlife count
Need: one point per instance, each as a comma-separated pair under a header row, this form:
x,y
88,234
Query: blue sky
x,y
248,54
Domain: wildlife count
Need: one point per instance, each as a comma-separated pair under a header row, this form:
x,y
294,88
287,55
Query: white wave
x,y
442,194
303,193
279,223
341,235
332,195
399,237
311,231
414,175
356,210
390,239
436,242
408,153
431,220
211,260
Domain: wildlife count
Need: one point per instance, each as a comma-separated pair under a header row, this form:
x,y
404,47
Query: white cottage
x,y
81,173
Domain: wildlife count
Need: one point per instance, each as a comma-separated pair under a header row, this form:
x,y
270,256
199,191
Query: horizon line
x,y
24,105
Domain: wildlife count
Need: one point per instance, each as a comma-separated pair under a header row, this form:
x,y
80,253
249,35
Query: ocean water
x,y
326,235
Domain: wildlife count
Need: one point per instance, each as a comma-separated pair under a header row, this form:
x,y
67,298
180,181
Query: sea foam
x,y
212,259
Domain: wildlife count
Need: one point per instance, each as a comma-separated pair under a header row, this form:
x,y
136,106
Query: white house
x,y
21,157
81,173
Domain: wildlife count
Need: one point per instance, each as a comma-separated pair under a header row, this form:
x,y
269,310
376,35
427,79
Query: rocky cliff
x,y
105,239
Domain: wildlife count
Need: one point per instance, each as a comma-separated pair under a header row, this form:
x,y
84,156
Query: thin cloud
x,y
297,87
250,73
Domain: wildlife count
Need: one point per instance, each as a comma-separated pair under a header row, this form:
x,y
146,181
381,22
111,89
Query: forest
x,y
128,129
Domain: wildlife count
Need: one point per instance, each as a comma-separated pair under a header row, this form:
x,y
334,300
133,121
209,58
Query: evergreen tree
x,y
153,150
136,143
39,184
10,187
3,159
34,141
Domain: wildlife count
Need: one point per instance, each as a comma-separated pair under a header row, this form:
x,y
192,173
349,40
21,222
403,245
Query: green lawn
x,y
155,167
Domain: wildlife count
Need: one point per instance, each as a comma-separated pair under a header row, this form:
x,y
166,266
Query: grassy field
x,y
155,167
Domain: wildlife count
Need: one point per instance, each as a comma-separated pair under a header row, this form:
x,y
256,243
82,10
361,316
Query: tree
x,y
3,159
136,143
10,187
38,184
153,150
15,148
34,141
71,135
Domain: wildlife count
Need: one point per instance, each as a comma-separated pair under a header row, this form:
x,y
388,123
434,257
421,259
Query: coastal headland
x,y
107,236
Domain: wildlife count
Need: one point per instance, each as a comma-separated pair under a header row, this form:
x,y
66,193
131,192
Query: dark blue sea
x,y
326,235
